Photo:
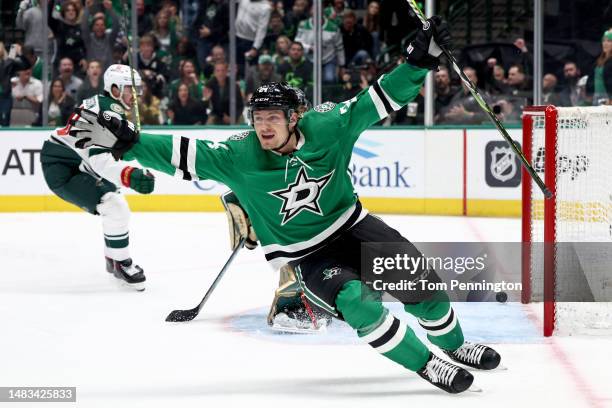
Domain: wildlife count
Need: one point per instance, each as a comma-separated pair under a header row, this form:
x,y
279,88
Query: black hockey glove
x,y
424,51
105,129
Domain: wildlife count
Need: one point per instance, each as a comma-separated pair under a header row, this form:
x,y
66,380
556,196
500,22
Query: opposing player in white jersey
x,y
91,178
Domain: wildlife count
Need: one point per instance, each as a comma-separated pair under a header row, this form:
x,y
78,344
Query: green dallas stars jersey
x,y
96,161
299,202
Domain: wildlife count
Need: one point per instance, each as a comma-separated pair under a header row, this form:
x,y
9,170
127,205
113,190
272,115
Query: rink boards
x,y
449,171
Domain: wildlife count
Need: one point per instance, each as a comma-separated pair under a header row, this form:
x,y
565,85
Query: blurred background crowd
x,y
183,47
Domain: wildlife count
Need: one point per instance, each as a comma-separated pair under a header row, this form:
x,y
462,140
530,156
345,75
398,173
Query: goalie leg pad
x,y
291,310
287,294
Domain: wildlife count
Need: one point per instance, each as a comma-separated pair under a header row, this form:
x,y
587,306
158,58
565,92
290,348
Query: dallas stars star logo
x,y
302,194
330,273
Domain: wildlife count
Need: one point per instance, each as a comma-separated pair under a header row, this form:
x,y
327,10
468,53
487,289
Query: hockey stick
x,y
130,63
188,315
485,107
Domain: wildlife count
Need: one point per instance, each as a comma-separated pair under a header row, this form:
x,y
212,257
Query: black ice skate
x,y
445,375
110,264
475,356
132,275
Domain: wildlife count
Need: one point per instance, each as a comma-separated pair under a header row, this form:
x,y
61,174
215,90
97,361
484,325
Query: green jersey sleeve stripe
x,y
379,92
381,89
383,109
184,157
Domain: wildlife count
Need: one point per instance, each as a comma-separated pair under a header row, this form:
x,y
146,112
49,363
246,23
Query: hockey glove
x,y
106,129
424,51
138,180
239,222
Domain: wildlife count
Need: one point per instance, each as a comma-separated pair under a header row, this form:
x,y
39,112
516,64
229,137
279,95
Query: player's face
x,y
128,97
271,128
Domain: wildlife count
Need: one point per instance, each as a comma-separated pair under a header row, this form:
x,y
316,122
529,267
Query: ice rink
x,y
65,322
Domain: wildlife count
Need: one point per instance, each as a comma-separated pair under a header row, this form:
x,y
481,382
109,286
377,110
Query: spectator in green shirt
x,y
188,76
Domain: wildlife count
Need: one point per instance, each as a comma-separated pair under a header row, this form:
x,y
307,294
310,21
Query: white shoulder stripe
x,y
191,159
378,103
176,156
393,104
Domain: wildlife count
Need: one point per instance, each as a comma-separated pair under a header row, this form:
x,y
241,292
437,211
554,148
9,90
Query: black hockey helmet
x,y
304,103
274,96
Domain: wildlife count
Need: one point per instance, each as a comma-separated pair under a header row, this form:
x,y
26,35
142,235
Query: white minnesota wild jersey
x,y
96,161
298,202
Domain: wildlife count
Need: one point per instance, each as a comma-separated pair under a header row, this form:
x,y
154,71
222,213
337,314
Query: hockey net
x,y
567,240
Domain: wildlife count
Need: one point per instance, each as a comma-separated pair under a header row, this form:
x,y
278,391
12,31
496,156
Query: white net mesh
x,y
583,255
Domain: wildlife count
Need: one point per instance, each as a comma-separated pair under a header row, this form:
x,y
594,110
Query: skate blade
x,y
139,287
474,388
278,328
500,367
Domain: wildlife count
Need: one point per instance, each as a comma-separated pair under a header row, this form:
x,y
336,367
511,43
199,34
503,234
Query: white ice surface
x,y
64,322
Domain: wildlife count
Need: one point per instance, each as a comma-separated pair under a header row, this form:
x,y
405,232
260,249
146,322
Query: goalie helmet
x,y
274,96
119,75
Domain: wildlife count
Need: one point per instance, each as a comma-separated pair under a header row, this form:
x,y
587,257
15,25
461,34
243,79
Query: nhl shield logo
x,y
502,167
503,164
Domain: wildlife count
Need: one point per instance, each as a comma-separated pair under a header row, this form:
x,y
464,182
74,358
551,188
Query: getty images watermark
x,y
413,272
411,266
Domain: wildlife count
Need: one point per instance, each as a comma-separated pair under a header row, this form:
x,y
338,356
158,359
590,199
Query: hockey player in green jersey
x,y
290,175
89,178
289,311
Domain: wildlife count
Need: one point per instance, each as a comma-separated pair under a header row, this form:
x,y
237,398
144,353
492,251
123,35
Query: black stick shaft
x,y
486,108
221,273
131,64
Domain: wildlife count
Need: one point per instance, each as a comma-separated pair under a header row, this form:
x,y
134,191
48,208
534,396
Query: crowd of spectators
x,y
183,59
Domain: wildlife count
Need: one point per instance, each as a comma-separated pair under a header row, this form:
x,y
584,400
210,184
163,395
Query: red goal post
x,y
578,212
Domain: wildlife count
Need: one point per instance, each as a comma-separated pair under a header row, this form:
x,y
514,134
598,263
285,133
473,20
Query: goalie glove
x,y
239,222
424,51
106,129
